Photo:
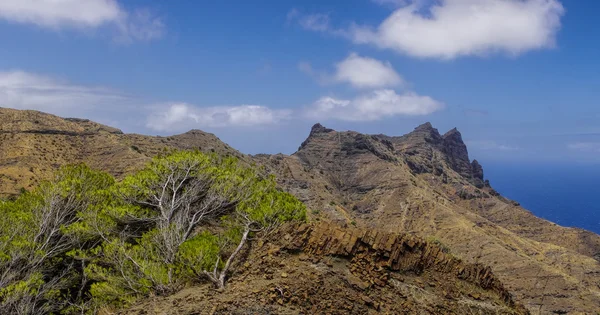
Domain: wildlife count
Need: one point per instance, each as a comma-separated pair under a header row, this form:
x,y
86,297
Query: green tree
x,y
35,271
162,216
84,241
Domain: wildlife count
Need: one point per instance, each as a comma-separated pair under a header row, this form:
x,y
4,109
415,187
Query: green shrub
x,y
84,241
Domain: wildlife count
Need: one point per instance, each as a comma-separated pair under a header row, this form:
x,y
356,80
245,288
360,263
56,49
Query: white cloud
x,y
83,14
23,90
182,116
376,105
585,146
364,72
490,145
447,29
467,27
360,72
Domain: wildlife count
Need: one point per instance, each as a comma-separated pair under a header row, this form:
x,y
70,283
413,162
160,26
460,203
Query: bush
x,y
84,241
35,238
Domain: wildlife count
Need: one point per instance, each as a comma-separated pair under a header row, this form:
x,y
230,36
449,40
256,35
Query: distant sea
x,y
568,195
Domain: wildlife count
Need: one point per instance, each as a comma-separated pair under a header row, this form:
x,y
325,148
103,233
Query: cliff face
x,y
424,183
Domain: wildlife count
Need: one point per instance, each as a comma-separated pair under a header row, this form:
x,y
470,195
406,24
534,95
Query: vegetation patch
x,y
84,242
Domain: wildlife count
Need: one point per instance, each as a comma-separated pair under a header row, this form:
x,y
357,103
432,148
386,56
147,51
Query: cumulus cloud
x,y
138,24
364,72
585,146
447,29
360,72
24,90
453,28
376,105
490,145
182,116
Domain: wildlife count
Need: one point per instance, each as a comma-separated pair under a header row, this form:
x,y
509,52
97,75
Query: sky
x,y
519,78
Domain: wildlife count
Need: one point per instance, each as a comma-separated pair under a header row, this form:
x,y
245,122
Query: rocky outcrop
x,y
477,175
330,269
323,143
477,170
314,131
426,133
376,254
456,153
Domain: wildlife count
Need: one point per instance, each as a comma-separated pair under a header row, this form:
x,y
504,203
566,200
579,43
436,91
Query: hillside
x,y
33,145
328,269
422,184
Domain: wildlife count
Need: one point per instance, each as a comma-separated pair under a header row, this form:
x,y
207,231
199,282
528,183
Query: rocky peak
x,y
425,126
425,132
456,153
453,134
316,130
457,157
477,170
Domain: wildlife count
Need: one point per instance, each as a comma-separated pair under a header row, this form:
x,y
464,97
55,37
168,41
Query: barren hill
x,y
420,184
34,144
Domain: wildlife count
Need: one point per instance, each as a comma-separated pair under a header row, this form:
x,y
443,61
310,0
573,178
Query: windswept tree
x,y
36,271
84,241
185,216
263,210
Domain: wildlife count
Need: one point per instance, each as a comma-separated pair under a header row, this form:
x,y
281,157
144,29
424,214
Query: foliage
x,y
35,237
83,241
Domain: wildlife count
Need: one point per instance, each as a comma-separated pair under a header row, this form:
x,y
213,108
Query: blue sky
x,y
519,78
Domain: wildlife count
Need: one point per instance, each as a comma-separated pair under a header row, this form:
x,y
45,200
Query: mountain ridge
x,y
421,183
424,183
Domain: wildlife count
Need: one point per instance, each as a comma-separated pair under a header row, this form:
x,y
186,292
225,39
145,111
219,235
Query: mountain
x,y
424,183
421,187
33,145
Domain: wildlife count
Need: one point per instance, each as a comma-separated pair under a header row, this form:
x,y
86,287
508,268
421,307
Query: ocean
x,y
568,195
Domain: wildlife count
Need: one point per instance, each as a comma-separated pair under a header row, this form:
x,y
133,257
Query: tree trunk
x,y
219,278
